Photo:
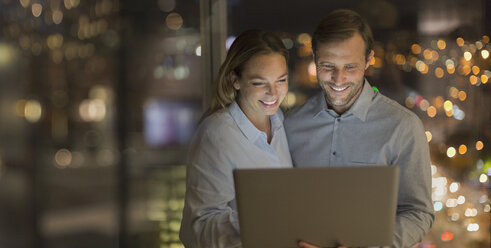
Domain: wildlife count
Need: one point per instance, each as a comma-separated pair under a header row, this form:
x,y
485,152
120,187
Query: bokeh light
x,y
37,9
416,49
462,149
63,158
451,152
429,136
32,111
485,54
468,56
479,145
174,21
460,41
431,111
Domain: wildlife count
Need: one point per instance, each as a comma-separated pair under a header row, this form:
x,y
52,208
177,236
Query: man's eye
x,y
328,67
282,80
257,83
350,67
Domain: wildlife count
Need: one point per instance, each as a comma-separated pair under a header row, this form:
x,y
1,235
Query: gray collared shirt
x,y
224,141
374,131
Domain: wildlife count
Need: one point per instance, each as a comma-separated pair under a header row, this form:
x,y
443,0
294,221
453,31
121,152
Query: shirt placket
x,y
334,153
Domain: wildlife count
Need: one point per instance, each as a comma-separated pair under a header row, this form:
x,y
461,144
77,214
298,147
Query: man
x,y
350,124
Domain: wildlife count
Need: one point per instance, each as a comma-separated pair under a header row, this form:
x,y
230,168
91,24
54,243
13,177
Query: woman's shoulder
x,y
216,124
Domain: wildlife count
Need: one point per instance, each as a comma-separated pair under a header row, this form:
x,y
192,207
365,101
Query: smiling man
x,y
350,124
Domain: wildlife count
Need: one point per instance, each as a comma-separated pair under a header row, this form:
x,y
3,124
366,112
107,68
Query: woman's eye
x,y
282,80
257,83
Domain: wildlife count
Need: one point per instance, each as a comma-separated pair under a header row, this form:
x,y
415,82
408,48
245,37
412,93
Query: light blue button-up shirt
x,y
374,131
225,141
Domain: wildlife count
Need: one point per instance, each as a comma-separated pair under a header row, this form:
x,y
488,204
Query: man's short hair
x,y
340,25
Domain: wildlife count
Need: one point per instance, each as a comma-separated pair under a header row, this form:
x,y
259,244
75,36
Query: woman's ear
x,y
235,80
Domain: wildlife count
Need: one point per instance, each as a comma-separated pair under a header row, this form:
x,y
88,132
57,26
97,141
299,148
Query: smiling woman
x,y
243,129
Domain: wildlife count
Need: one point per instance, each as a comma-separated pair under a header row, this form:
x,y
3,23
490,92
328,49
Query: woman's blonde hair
x,y
245,46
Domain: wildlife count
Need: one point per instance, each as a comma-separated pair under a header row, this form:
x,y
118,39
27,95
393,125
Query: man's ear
x,y
369,58
235,80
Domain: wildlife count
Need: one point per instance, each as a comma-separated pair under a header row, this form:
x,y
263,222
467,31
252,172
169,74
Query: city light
x,y
461,200
429,136
437,206
462,149
63,158
483,178
473,227
32,111
479,145
451,152
460,41
454,187
485,54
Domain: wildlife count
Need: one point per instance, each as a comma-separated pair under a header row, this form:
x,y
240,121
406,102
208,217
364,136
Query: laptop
x,y
327,207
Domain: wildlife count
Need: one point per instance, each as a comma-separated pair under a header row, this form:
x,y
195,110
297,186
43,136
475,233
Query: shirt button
x,y
334,153
338,119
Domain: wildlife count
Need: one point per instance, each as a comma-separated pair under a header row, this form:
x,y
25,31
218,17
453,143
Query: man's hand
x,y
303,244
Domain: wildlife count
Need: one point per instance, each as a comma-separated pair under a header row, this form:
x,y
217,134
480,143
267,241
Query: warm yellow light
x,y
449,113
462,95
438,101
424,105
441,44
289,100
468,56
479,145
453,92
450,69
304,38
475,70
427,54
429,136
439,72
484,79
37,9
485,54
431,111
416,49
400,59
32,111
473,80
63,158
462,149
447,105
57,16
451,152
460,41
434,55
174,21
24,3
465,70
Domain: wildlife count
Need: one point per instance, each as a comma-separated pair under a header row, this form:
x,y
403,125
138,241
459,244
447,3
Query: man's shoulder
x,y
390,108
308,108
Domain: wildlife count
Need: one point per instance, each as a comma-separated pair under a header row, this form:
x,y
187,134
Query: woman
x,y
243,129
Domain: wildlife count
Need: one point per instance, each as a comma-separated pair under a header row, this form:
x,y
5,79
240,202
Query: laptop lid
x,y
352,206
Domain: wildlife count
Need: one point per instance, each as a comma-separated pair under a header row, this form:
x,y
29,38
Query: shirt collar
x,y
359,108
362,104
246,126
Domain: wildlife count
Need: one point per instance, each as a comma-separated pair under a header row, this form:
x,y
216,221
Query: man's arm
x,y
415,214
